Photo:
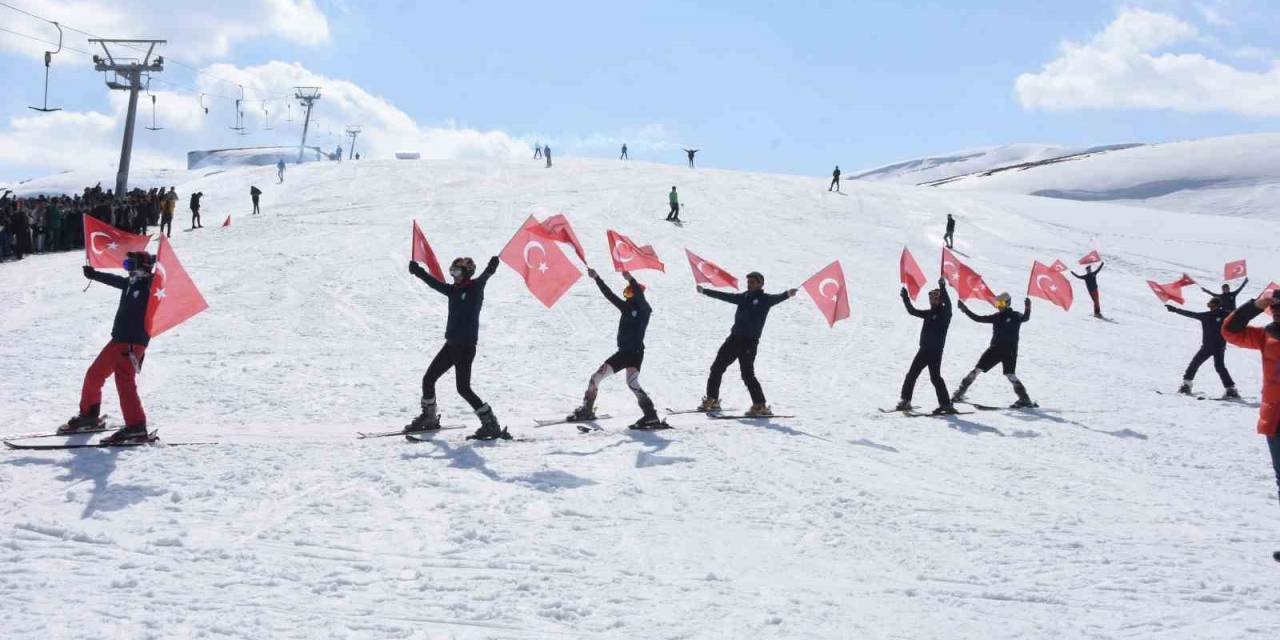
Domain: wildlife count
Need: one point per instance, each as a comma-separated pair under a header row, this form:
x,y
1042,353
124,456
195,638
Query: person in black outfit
x,y
462,332
1212,345
254,193
195,210
1006,325
537,150
949,236
1228,297
546,153
690,153
748,323
933,338
835,180
624,152
1090,278
632,324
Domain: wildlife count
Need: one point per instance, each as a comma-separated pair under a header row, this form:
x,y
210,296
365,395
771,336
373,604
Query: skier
x,y
195,210
949,236
743,341
674,200
337,155
624,152
1227,297
1266,340
167,204
933,338
537,150
1212,345
1006,324
546,153
630,354
122,356
280,171
462,331
690,153
835,180
254,192
1090,278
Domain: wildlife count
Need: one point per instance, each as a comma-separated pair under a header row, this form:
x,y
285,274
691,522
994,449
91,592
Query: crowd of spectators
x,y
48,223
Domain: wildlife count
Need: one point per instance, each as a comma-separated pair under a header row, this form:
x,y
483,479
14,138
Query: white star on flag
x,y
113,245
160,294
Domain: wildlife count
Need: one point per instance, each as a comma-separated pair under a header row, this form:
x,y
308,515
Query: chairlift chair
x,y
48,59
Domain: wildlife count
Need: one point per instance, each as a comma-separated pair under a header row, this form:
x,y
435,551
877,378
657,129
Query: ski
x,y
739,416
552,423
990,407
401,432
152,440
922,414
679,412
63,435
1197,395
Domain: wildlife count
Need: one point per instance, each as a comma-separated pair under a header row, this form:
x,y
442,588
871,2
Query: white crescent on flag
x,y
112,245
822,288
534,244
617,244
1051,286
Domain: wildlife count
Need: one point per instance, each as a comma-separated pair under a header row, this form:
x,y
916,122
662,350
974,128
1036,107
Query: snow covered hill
x,y
1233,175
1113,512
951,165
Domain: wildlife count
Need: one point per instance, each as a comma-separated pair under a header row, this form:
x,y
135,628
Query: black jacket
x,y
933,331
1210,324
195,200
1090,278
1006,325
635,317
1228,299
465,300
130,325
753,310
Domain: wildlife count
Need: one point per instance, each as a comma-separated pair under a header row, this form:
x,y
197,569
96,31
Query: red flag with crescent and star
x,y
174,297
1171,292
629,257
710,273
422,253
1234,270
1184,281
105,246
1050,285
1059,266
967,283
1267,291
827,288
1091,257
910,274
545,269
557,228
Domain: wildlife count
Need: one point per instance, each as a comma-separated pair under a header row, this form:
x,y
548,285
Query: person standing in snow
x,y
1228,297
933,339
1006,325
743,341
690,153
461,334
624,152
122,357
1090,278
537,150
168,203
337,155
835,180
254,192
1212,345
674,201
195,210
949,236
280,171
546,153
632,324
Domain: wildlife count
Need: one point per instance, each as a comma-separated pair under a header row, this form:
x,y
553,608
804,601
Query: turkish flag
x,y
967,283
629,257
828,291
706,272
227,222
910,273
1234,270
1167,292
1050,285
1091,257
1270,287
1184,281
557,228
105,246
1059,266
544,267
422,253
174,297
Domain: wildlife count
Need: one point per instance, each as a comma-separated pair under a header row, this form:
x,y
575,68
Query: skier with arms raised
x,y
1090,277
743,341
1006,325
1212,345
933,339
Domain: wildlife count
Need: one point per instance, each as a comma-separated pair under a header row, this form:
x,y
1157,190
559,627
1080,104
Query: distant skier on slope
x,y
624,152
280,171
1090,278
1212,345
195,210
835,180
743,341
950,236
690,153
122,357
1227,297
1006,325
546,153
1266,340
254,193
632,324
537,150
674,201
462,332
933,339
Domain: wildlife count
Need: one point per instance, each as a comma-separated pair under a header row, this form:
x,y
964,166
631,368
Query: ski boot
x,y
903,405
760,410
1024,403
709,405
132,434
1231,393
945,410
87,422
1185,389
428,420
582,414
649,420
489,427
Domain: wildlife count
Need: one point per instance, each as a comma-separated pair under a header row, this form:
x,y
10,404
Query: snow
x,y
1111,513
950,165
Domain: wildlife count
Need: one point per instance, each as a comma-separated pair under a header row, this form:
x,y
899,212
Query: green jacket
x,y
672,198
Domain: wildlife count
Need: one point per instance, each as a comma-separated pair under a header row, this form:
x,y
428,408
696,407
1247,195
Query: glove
x,y
1169,308
88,271
415,268
493,263
904,292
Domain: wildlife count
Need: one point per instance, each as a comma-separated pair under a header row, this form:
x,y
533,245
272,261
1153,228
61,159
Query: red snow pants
x,y
124,360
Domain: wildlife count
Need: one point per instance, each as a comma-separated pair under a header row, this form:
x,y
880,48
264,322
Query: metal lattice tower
x,y
307,97
131,71
353,130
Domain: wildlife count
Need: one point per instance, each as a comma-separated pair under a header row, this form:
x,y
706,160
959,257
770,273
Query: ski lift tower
x,y
352,132
307,97
128,77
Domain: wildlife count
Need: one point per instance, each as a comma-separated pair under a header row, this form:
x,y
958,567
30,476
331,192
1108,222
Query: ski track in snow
x,y
1111,513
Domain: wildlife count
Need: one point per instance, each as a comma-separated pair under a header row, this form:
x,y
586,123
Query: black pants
x,y
195,218
743,350
255,205
933,360
1219,365
166,226
674,214
1273,443
624,156
1006,357
835,184
458,357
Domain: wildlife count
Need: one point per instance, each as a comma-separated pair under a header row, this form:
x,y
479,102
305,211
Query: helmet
x,y
1003,300
757,275
466,265
139,261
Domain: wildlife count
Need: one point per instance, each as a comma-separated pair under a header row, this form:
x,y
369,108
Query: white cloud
x,y
1123,67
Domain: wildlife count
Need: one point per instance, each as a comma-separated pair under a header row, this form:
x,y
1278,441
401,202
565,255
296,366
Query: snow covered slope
x,y
1112,512
933,168
1233,175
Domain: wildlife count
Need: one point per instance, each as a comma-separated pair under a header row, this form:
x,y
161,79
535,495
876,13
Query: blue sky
x,y
772,86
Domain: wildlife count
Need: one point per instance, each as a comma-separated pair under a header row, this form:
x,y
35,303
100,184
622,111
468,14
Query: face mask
x,y
455,272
